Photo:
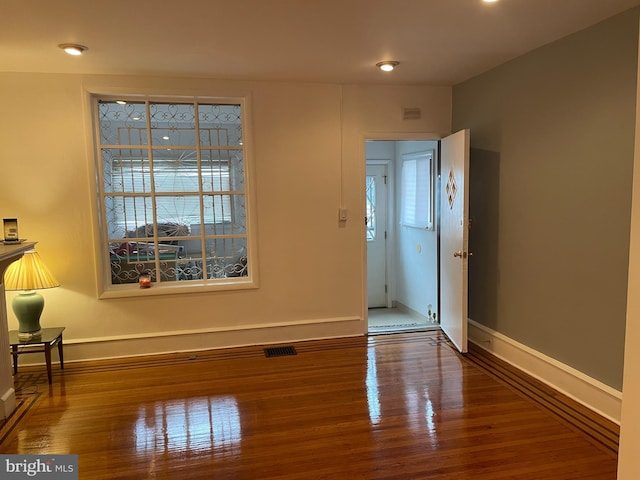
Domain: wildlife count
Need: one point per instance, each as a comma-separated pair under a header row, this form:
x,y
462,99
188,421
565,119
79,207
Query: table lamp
x,y
28,274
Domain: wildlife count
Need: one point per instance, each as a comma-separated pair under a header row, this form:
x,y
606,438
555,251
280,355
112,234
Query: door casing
x,y
390,136
461,340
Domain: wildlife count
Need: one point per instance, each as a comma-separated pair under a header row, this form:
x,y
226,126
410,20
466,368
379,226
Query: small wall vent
x,y
411,113
279,351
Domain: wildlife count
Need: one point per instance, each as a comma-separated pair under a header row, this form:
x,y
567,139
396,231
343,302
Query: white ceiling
x,y
437,42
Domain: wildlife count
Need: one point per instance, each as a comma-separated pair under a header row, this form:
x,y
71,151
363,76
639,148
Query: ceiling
x,y
437,42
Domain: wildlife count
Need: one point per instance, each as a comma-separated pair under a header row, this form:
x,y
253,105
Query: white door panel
x,y
376,236
454,236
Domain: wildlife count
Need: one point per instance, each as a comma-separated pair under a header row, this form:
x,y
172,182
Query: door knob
x,y
460,254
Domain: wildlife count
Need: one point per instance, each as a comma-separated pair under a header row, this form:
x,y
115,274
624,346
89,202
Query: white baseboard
x,y
410,311
591,393
7,403
101,348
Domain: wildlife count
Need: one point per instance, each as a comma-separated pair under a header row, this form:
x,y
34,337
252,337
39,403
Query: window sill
x,y
175,288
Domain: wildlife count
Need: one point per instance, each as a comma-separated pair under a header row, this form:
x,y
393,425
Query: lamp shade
x,y
29,273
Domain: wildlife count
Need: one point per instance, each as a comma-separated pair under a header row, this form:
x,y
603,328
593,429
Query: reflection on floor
x,y
392,320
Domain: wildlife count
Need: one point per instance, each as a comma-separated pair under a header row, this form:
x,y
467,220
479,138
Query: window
x,y
370,217
417,190
172,191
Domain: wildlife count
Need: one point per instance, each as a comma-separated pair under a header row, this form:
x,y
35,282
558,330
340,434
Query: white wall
x,y
309,160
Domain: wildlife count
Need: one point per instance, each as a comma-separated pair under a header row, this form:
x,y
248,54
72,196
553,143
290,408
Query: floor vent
x,y
279,351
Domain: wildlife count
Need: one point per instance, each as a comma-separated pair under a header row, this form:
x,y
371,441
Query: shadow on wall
x,y
484,191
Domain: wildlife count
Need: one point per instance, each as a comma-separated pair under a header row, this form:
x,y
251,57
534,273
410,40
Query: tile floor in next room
x,y
388,320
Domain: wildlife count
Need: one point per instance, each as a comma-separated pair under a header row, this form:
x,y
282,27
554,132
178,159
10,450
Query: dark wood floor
x,y
403,406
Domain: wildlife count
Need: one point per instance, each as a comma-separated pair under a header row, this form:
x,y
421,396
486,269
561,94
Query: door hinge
x,y
385,179
385,288
385,234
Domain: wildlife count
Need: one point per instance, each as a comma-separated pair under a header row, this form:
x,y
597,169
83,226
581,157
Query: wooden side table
x,y
50,337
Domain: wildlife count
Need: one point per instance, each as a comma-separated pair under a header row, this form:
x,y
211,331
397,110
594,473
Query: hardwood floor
x,y
403,406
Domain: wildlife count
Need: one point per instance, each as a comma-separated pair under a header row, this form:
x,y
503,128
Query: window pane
x,y
215,173
220,125
215,137
122,124
175,170
239,214
236,171
179,209
371,207
217,208
126,170
125,214
172,124
416,188
227,257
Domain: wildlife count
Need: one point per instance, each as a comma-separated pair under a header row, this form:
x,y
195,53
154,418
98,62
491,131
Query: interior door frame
x,y
392,137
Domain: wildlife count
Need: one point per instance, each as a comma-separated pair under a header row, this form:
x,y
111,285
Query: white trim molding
x,y
119,346
591,393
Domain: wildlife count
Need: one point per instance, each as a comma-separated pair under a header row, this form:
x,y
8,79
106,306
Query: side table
x,y
50,337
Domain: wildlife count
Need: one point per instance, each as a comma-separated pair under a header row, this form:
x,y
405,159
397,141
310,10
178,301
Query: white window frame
x,y
417,190
106,288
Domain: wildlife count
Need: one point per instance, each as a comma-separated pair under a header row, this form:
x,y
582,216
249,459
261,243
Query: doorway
x,y
402,257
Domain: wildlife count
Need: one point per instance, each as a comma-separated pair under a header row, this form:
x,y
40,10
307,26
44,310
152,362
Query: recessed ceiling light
x,y
387,66
73,49
489,1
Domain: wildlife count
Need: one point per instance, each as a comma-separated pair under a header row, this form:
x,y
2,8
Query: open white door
x,y
454,237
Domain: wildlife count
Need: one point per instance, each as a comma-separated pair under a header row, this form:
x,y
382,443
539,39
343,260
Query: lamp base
x,y
28,306
29,335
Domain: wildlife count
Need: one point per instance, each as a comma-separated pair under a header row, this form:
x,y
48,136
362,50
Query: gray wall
x,y
552,137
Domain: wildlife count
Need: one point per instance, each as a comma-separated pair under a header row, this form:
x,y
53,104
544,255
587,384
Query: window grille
x,y
370,218
172,190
